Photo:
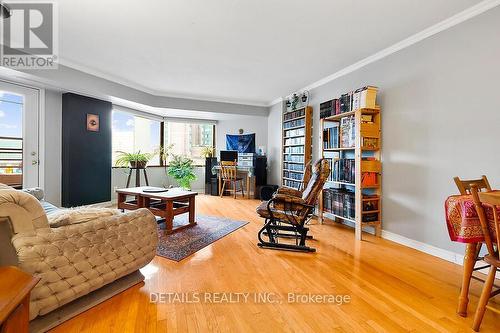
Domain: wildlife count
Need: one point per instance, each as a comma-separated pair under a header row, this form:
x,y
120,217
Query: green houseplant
x,y
207,151
136,160
182,170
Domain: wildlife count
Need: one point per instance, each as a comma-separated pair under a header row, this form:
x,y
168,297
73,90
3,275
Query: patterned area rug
x,y
183,243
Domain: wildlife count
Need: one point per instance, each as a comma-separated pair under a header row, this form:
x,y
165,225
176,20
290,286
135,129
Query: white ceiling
x,y
249,51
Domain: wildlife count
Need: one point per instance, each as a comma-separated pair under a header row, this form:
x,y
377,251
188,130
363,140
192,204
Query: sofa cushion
x,y
48,207
35,191
74,260
77,215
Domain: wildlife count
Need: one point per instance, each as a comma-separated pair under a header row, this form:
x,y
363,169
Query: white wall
x,y
274,144
250,124
440,118
53,139
156,177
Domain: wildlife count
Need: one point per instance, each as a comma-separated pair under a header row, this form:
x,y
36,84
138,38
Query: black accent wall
x,y
86,155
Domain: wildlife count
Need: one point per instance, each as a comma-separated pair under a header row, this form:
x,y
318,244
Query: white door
x,y
19,135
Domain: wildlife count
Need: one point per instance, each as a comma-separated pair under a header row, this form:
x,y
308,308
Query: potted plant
x,y
182,170
136,160
207,151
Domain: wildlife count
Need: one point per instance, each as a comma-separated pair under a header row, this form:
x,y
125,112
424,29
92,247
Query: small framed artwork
x,y
92,122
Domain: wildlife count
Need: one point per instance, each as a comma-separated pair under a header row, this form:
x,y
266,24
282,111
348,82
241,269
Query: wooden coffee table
x,y
167,204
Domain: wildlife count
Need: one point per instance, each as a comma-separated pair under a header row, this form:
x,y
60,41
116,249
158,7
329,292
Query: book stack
x,y
329,108
294,123
293,167
294,114
340,202
344,170
291,183
293,175
359,99
331,137
294,150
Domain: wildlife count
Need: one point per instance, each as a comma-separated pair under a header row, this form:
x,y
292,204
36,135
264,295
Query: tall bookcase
x,y
351,139
296,145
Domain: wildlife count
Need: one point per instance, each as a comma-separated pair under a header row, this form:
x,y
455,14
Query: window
x,y
132,133
11,139
189,138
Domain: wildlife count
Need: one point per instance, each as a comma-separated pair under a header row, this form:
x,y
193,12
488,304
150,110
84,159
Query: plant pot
x,y
138,164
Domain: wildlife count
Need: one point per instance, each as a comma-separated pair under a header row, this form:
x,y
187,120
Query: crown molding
x,y
450,22
116,79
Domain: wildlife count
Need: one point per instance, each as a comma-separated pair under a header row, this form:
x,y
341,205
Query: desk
x,y
464,226
249,171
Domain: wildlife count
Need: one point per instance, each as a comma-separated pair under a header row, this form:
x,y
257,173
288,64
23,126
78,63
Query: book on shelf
x,y
347,132
292,183
293,123
340,202
293,175
329,108
331,136
331,161
344,170
294,114
361,98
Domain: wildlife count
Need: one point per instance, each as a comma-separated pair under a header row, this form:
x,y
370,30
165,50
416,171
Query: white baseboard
x,y
423,247
447,255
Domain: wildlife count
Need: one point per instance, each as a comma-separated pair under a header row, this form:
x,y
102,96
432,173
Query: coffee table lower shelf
x,y
164,205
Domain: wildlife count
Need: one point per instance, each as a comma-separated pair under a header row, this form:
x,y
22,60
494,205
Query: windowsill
x,y
155,166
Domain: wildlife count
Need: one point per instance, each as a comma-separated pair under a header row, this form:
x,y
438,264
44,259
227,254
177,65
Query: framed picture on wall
x,y
92,122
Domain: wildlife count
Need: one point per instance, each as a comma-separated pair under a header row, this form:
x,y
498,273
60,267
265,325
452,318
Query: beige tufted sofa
x,y
74,259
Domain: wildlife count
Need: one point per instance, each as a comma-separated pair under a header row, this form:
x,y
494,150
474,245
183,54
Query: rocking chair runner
x,y
289,209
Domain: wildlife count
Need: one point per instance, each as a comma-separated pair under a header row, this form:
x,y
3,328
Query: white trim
x,y
423,247
276,101
41,137
156,93
463,16
447,255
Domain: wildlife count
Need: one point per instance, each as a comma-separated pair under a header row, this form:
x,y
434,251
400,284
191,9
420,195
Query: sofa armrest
x,y
78,215
8,256
76,259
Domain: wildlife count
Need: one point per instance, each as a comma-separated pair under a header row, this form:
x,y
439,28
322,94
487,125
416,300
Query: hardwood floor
x,y
392,288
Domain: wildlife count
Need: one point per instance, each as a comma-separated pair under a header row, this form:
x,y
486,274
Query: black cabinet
x,y
210,178
86,155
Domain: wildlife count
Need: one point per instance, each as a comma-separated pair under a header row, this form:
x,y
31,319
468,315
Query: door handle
x,y
34,162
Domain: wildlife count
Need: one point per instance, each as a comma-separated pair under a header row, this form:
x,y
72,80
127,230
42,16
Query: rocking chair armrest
x,y
296,202
290,199
289,191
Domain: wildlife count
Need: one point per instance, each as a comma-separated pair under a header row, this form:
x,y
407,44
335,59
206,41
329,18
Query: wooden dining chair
x,y
464,186
485,201
229,174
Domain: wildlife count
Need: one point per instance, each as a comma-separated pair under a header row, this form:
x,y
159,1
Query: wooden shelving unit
x,y
296,145
367,163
